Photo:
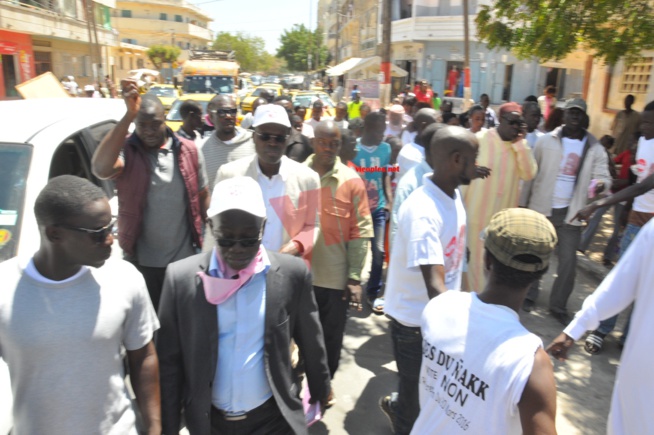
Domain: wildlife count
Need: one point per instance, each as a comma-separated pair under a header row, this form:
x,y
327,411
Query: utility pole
x,y
337,55
385,85
467,92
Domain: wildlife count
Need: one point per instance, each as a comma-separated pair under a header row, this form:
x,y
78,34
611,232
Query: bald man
x,y
162,188
426,260
345,229
228,142
413,153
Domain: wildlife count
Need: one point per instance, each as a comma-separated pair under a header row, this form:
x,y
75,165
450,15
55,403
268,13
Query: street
x,y
367,370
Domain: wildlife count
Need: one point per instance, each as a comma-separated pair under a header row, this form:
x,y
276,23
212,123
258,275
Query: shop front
x,y
16,62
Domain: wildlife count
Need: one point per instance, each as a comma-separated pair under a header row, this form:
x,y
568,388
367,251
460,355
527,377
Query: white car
x,y
41,139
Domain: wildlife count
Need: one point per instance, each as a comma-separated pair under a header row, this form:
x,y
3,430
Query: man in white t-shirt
x,y
64,315
572,169
316,114
426,260
482,371
413,153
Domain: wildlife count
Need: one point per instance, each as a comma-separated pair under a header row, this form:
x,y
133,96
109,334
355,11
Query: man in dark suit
x,y
227,319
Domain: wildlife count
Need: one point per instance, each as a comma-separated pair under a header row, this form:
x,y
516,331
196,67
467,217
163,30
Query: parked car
x,y
306,99
47,138
166,93
174,118
246,103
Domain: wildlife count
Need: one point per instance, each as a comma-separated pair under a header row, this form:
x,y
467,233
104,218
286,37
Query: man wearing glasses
x,y
504,150
162,188
228,142
573,168
227,319
64,315
290,190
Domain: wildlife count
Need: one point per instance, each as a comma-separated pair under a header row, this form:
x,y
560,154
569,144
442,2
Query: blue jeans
x,y
606,326
377,246
407,347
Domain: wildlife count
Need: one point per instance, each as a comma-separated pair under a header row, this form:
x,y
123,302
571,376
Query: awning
x,y
372,64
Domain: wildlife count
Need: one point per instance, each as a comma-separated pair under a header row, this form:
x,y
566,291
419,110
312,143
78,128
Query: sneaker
x,y
386,405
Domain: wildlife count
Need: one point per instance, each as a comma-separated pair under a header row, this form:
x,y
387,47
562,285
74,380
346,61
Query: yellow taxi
x,y
166,93
174,118
306,99
246,103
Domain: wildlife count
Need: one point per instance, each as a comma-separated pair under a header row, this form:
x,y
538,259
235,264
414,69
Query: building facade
x,y
37,36
607,86
427,41
167,22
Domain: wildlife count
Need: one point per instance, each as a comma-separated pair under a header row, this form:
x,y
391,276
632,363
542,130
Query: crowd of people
x,y
245,247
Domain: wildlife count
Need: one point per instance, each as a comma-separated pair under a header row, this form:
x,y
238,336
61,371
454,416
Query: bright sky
x,y
264,18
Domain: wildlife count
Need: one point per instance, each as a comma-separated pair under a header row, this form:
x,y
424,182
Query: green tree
x,y
300,42
550,29
249,50
159,54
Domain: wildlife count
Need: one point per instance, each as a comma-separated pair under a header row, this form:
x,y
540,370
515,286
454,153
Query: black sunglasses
x,y
224,112
281,138
514,122
98,236
246,243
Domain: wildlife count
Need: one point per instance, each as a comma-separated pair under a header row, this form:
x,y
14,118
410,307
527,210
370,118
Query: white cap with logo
x,y
271,114
238,193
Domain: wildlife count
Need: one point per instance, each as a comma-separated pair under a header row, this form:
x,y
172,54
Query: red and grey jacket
x,y
133,182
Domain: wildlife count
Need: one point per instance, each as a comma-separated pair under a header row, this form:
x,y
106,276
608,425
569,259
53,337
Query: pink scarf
x,y
218,290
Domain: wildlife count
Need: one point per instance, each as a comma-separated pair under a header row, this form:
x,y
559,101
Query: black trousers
x,y
154,279
267,419
333,314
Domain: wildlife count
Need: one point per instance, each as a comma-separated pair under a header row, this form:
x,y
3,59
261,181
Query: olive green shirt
x,y
345,228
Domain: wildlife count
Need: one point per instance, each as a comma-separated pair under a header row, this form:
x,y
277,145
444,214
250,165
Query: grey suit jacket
x,y
187,343
300,215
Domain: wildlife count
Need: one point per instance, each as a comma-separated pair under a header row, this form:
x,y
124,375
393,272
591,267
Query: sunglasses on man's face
x,y
267,136
222,113
246,243
515,122
98,236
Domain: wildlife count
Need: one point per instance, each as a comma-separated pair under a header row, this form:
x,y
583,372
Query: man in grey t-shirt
x,y
162,188
64,314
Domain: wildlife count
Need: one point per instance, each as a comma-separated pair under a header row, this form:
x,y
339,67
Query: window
x,y
131,63
42,62
120,63
635,77
14,168
140,63
86,66
178,18
129,41
126,14
163,17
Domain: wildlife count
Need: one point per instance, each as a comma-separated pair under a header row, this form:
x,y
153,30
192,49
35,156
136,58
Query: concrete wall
x,y
605,97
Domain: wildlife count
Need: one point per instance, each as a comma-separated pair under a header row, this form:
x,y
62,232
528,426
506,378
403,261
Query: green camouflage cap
x,y
520,231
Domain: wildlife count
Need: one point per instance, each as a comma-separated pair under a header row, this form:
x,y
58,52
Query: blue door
x,y
438,76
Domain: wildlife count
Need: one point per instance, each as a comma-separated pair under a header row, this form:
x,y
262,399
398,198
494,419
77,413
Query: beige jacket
x,y
300,215
548,153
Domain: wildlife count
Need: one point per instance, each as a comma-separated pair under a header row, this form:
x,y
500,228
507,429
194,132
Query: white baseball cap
x,y
271,114
238,193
